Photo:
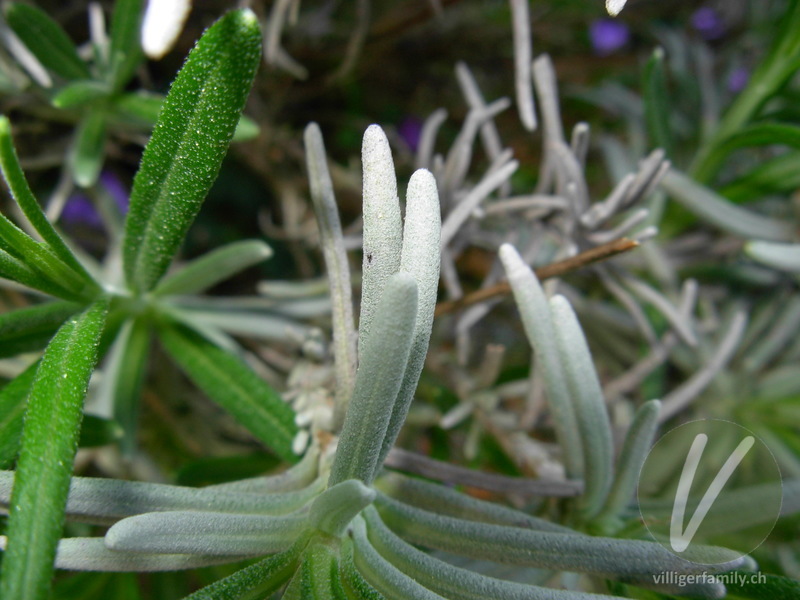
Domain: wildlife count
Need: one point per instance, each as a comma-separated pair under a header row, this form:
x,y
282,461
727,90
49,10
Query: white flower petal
x,y
163,22
614,6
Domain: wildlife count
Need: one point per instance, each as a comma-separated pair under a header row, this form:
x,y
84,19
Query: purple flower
x,y
737,79
80,210
410,130
708,23
608,36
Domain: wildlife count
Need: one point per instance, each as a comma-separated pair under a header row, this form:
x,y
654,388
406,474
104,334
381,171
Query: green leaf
x,y
216,266
49,441
256,581
124,372
17,242
48,42
184,155
656,102
380,374
29,329
15,270
319,574
353,582
140,107
80,93
125,51
13,400
88,150
761,586
778,175
233,385
97,431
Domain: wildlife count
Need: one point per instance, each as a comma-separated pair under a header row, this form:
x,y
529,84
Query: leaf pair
x,y
575,396
399,285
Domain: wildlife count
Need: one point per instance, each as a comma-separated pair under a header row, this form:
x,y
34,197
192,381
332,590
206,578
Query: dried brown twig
x,y
556,269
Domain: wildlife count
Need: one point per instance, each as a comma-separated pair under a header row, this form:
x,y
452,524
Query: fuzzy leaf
x,y
381,369
333,510
420,257
333,250
104,501
48,42
537,321
233,385
383,575
383,230
353,582
218,265
638,442
454,582
184,155
590,407
635,560
49,441
206,533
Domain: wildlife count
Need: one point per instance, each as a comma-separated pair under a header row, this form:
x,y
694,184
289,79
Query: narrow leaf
x,y
451,581
420,257
91,554
632,559
29,329
383,230
49,441
206,533
216,266
320,572
590,407
720,212
104,501
256,581
381,574
13,400
335,255
184,155
15,178
88,150
784,257
80,93
537,321
124,374
353,582
125,51
48,42
380,373
656,102
13,269
634,451
233,385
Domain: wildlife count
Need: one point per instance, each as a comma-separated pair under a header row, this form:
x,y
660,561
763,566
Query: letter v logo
x,y
680,538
